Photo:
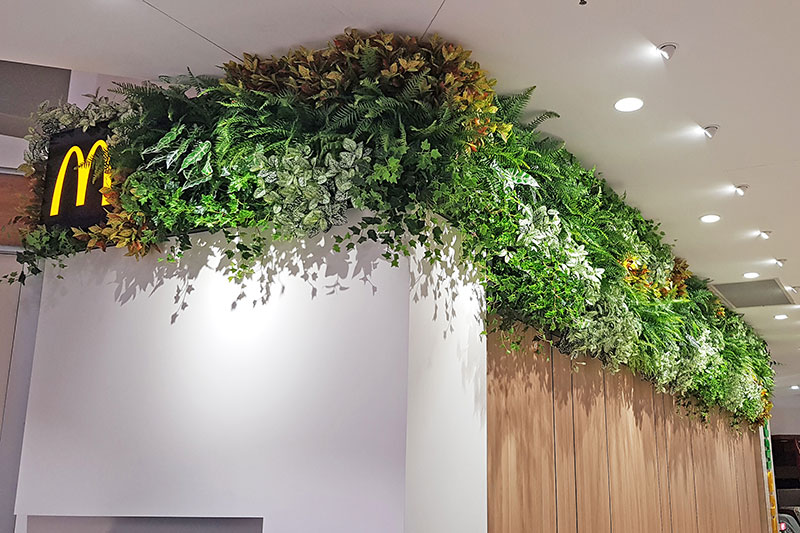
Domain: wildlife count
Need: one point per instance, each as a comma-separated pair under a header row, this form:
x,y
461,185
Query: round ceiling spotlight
x,y
711,130
710,218
781,317
741,189
626,105
751,275
764,234
795,387
780,262
667,50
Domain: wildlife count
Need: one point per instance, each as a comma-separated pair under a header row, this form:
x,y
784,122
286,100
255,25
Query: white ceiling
x,y
735,67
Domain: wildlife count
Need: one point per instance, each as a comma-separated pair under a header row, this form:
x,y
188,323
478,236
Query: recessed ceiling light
x,y
710,218
780,262
789,288
667,50
741,189
751,275
626,105
795,387
781,317
711,130
764,234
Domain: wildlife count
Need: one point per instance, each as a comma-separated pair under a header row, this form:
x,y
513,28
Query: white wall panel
x,y
446,442
785,420
331,394
164,391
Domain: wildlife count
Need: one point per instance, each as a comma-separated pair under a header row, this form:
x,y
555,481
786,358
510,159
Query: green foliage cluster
x,y
411,133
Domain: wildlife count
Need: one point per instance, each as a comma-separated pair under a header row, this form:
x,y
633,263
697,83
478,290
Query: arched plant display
x,y
412,133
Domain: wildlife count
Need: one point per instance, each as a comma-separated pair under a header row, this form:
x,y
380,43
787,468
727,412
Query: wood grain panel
x,y
574,448
567,510
591,453
632,453
662,463
522,463
680,472
14,195
754,459
714,477
747,485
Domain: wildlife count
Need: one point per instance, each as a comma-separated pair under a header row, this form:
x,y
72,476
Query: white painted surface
x,y
9,301
82,84
12,150
162,391
785,420
334,398
20,310
446,441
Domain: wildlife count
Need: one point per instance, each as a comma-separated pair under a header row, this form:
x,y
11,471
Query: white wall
x,y
19,311
164,392
86,83
446,441
785,420
9,301
12,150
170,391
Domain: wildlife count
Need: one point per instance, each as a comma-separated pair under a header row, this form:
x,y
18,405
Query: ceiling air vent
x,y
753,293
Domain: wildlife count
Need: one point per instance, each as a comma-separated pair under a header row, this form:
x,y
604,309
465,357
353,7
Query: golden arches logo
x,y
84,169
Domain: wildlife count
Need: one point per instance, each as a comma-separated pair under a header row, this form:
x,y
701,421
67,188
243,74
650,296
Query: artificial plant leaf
x,y
196,155
166,140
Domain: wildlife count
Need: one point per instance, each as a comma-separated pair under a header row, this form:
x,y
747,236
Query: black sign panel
x,y
72,185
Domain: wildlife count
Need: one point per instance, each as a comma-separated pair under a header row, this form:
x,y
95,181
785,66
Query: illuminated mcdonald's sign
x,y
84,167
71,197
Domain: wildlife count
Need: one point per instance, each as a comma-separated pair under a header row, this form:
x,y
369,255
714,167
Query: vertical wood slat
x,y
525,468
662,463
591,453
747,485
599,452
716,492
632,453
567,517
680,474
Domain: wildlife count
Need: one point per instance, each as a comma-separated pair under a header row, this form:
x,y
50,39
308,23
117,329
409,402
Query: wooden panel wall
x,y
575,448
14,195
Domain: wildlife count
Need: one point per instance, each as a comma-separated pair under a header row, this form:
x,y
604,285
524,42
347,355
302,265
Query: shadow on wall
x,y
444,280
311,260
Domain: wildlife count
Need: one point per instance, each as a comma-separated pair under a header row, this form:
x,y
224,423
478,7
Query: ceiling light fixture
x,y
780,262
764,234
795,387
667,50
751,275
789,288
781,317
741,189
711,130
710,218
626,105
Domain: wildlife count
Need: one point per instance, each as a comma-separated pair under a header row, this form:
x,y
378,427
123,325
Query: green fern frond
x,y
510,108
